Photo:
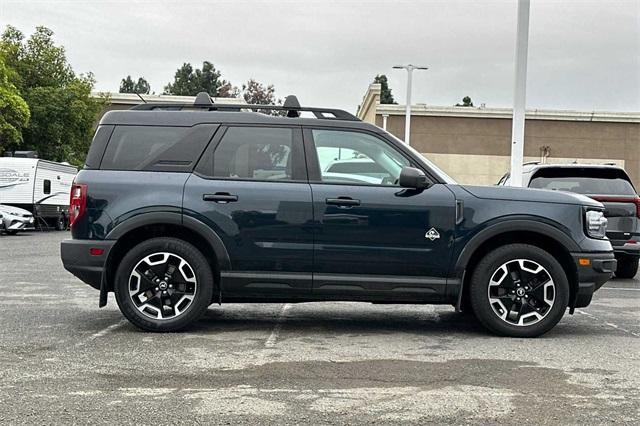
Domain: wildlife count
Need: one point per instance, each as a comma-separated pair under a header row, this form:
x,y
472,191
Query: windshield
x,y
437,170
589,181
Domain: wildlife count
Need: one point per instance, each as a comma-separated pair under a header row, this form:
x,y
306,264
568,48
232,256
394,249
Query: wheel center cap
x,y
520,292
162,285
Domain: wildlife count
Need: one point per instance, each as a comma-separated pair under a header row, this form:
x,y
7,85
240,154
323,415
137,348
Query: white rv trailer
x,y
40,186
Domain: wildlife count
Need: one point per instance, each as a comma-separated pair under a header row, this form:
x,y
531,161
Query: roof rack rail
x,y
529,163
291,105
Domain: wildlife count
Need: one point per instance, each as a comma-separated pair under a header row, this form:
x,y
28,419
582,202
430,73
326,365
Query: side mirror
x,y
413,178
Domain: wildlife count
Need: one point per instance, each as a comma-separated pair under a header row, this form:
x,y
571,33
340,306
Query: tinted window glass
x,y
47,186
258,153
357,158
99,143
137,147
584,181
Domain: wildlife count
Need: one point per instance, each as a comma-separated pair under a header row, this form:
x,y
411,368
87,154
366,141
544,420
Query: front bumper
x,y
16,223
77,259
594,269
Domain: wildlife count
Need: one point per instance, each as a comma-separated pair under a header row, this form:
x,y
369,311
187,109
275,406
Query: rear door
x,y
375,240
251,188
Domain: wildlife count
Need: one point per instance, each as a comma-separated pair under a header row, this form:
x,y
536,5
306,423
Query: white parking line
x,y
609,324
103,332
271,341
617,288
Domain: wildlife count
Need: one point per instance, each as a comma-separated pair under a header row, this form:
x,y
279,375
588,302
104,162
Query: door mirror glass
x,y
413,178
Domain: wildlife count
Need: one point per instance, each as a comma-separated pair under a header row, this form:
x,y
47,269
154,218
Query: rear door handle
x,y
342,202
220,197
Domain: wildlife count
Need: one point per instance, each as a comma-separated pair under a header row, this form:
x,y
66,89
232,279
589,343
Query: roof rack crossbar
x,y
291,106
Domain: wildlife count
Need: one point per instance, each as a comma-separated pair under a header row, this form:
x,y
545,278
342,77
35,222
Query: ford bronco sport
x,y
179,207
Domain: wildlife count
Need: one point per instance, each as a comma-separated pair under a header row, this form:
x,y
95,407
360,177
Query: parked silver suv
x,y
606,183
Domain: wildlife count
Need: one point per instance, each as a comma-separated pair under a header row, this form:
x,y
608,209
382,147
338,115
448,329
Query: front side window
x,y
257,153
357,158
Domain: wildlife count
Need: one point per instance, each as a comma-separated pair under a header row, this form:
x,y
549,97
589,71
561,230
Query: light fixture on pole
x,y
407,127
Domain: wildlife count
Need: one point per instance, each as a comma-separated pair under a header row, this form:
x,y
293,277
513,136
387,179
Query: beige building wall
x,y
488,169
477,150
473,145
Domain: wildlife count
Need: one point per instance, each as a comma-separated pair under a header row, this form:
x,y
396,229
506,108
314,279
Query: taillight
x,y
77,202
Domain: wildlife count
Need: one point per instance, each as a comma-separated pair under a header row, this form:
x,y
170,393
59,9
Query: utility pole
x,y
407,121
519,94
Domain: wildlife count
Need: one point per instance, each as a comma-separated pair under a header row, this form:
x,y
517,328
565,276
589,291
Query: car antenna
x,y
140,96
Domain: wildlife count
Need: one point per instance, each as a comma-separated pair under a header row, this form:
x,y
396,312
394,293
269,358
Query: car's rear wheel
x,y
627,267
519,290
163,284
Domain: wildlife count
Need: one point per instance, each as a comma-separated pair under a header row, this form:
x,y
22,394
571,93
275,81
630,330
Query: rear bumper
x,y
627,249
78,260
594,269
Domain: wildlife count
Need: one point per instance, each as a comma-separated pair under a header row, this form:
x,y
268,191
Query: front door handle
x,y
220,197
342,202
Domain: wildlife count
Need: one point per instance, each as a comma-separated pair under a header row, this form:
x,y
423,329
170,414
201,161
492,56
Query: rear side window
x,y
591,181
155,148
257,153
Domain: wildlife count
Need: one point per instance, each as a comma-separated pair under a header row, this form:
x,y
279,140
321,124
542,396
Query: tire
x,y
61,223
528,305
11,232
627,267
189,289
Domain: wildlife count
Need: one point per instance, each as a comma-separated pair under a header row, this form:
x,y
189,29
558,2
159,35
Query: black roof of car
x,y
202,112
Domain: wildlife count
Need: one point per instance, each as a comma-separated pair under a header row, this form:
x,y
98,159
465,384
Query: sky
x,y
583,55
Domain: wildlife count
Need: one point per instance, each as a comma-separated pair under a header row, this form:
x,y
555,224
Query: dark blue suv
x,y
179,207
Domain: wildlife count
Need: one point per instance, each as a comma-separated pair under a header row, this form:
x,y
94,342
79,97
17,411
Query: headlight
x,y
595,223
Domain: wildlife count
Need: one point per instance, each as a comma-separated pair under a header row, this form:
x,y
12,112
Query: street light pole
x,y
407,120
520,93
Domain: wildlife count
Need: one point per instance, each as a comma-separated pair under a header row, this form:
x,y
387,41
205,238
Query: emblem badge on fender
x,y
432,234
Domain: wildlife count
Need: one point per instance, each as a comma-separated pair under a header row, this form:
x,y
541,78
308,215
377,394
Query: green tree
x,y
386,97
63,111
14,111
256,93
466,102
127,85
188,81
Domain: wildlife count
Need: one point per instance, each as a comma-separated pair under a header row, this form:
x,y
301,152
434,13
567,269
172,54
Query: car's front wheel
x,y
519,290
627,267
163,284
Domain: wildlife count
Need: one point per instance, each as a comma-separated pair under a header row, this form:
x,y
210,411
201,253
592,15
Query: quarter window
x,y
258,153
138,147
357,158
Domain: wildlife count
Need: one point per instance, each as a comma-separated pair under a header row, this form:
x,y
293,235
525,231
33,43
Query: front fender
x,y
506,224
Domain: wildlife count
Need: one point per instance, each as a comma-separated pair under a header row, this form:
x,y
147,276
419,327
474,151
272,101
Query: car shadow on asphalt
x,y
341,322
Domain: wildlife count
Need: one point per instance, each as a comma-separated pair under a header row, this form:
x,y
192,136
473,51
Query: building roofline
x,y
531,114
371,102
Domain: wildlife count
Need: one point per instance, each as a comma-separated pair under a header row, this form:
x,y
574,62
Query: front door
x,y
374,238
251,188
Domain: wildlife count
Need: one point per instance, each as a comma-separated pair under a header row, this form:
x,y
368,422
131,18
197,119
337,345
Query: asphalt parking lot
x,y
66,361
